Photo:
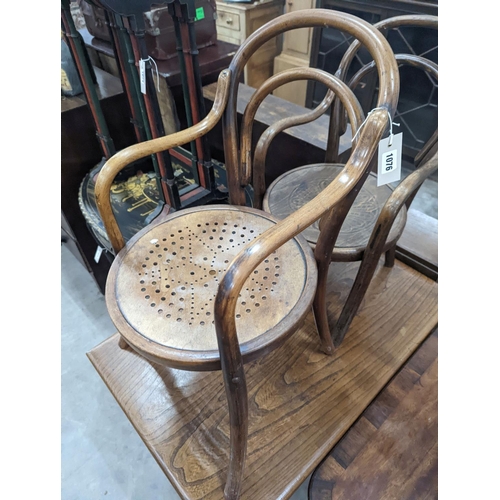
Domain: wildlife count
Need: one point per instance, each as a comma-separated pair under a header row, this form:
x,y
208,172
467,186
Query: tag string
x,y
391,123
157,72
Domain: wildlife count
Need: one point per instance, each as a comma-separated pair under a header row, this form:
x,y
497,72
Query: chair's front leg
x,y
237,398
234,381
357,293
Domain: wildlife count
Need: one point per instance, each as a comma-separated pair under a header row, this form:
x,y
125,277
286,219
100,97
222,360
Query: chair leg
x,y
330,226
390,257
320,309
122,343
233,374
356,295
237,398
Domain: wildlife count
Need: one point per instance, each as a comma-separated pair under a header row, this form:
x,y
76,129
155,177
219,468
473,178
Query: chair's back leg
x,y
356,295
330,227
390,256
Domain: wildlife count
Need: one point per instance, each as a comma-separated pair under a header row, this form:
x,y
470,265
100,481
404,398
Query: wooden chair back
x,y
352,25
255,173
337,118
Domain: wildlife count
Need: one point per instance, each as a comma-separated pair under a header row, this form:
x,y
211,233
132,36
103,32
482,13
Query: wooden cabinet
x,y
417,108
236,21
297,42
296,53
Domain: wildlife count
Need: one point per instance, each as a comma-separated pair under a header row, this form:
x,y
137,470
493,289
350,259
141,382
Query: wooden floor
x,y
301,402
391,452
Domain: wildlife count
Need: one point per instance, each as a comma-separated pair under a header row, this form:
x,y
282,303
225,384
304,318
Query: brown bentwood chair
x,y
214,287
363,224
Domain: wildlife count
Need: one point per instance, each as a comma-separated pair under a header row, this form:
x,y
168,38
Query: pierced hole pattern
x,y
180,279
209,273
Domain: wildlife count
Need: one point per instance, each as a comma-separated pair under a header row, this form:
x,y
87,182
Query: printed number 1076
x,y
389,161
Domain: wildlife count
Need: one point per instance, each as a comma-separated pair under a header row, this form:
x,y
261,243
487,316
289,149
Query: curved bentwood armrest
x,y
128,155
405,191
261,247
245,263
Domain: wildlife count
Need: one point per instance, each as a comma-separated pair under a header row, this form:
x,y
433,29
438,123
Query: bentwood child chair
x,y
214,287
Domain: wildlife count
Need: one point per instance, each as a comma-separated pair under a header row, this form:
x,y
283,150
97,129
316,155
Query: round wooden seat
x,y
162,286
296,187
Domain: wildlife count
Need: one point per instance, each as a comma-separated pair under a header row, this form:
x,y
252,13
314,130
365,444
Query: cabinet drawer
x,y
226,37
225,34
228,20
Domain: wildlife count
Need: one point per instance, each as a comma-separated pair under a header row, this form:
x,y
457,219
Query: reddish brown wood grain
x,y
391,451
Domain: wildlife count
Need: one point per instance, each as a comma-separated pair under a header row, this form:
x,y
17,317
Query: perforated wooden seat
x,y
161,291
296,187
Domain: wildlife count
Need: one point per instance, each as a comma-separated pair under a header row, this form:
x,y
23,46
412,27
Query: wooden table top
x,y
391,451
301,402
418,246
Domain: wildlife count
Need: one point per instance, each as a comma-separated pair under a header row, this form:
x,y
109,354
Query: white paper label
x,y
142,74
389,160
98,254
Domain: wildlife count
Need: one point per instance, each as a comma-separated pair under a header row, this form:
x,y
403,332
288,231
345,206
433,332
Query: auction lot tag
x,y
98,253
389,160
142,73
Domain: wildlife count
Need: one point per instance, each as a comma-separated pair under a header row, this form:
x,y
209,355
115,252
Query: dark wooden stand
x,y
212,60
80,152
